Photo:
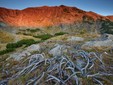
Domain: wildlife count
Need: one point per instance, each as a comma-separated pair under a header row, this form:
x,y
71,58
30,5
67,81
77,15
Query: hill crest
x,y
46,16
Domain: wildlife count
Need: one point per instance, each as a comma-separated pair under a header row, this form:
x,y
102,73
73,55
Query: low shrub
x,y
10,47
13,45
20,43
7,51
44,37
33,30
60,33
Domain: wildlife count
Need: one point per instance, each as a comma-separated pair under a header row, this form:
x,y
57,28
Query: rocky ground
x,y
69,59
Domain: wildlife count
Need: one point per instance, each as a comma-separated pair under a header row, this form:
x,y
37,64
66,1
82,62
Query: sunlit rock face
x,y
47,16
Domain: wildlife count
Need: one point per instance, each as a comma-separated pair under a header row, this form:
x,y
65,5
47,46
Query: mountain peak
x,y
45,16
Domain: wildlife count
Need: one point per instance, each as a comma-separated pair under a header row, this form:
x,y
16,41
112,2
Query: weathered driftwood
x,y
63,68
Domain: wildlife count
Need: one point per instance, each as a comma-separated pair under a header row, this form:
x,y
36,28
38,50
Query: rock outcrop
x,y
105,41
73,38
27,52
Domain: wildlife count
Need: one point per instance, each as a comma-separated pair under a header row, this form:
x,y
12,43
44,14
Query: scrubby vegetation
x,y
28,42
107,27
74,68
12,46
71,66
60,33
48,36
44,36
20,43
7,51
29,31
33,30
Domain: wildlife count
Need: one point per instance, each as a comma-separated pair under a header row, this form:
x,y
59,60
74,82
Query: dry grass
x,y
98,49
20,37
2,46
61,37
106,80
6,37
47,45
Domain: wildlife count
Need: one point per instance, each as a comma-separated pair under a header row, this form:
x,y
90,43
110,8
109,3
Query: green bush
x,y
60,33
10,47
6,51
33,30
20,43
44,37
13,45
28,43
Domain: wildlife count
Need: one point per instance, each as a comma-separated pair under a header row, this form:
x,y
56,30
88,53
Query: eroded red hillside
x,y
45,16
110,17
